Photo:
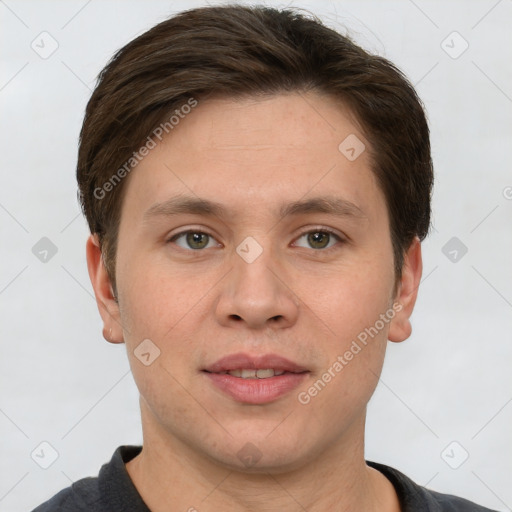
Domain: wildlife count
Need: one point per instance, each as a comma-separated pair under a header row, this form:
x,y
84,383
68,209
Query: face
x,y
250,241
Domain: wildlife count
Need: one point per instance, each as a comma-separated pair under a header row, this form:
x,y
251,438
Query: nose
x,y
257,295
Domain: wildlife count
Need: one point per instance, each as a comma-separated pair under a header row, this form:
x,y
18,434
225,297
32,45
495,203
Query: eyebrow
x,y
177,205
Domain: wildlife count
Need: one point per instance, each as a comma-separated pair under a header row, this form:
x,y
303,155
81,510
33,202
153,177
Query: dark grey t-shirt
x,y
113,491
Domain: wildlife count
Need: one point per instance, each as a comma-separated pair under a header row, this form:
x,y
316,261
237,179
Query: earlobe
x,y
400,328
105,299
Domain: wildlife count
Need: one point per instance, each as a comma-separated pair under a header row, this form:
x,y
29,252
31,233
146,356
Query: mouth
x,y
248,373
255,380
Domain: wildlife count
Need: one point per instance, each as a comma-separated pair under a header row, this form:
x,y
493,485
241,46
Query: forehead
x,y
295,122
258,151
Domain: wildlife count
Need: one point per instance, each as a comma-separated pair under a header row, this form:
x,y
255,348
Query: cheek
x,y
340,390
353,313
348,301
169,309
157,299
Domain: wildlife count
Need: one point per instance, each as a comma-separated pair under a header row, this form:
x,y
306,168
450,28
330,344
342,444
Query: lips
x,y
255,380
242,361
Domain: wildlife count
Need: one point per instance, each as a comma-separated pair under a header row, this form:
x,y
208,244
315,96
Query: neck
x,y
168,473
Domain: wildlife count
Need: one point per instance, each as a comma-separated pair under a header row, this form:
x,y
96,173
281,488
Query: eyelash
x,y
319,229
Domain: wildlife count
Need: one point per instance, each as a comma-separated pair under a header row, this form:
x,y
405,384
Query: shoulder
x,y
82,495
449,503
111,490
415,498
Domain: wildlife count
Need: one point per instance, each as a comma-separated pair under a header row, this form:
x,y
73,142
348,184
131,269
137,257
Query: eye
x,y
195,240
319,239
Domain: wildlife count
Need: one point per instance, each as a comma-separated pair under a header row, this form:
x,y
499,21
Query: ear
x,y
400,327
107,304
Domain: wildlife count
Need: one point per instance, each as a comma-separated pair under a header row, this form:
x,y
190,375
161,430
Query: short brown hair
x,y
236,51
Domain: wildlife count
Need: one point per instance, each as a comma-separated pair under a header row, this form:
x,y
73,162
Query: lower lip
x,y
256,391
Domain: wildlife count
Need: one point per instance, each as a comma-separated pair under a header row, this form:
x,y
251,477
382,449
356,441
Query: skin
x,y
302,301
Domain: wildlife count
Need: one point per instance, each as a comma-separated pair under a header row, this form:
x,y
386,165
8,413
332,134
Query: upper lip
x,y
241,361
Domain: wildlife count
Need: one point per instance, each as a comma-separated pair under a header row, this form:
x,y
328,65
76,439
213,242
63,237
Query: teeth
x,y
263,374
255,374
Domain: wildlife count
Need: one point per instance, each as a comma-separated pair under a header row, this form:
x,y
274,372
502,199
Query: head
x,y
248,113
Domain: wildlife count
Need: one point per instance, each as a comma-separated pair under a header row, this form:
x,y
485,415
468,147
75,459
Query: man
x,y
257,187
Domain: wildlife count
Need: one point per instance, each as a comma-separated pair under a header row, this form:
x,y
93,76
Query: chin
x,y
257,454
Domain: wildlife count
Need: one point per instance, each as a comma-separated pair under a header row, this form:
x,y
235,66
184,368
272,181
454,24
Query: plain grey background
x,y
443,410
